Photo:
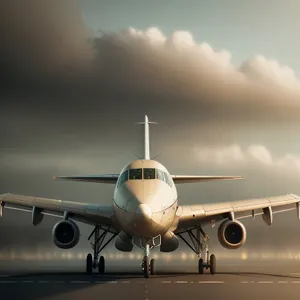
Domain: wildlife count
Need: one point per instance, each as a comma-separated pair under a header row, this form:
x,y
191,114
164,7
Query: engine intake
x,y
232,234
66,234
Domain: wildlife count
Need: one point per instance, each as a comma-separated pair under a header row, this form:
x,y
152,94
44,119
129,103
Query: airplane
x,y
145,212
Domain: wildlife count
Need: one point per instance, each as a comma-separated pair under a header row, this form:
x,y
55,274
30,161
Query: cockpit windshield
x,y
146,173
135,174
149,173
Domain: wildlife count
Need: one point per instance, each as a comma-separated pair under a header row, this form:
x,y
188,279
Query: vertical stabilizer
x,y
146,137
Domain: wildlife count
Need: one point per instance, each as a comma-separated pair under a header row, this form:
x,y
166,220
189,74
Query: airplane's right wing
x,y
101,178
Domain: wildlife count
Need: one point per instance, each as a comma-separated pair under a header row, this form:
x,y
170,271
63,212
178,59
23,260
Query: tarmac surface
x,y
264,281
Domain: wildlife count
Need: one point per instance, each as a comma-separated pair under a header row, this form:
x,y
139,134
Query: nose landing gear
x,y
152,266
150,270
147,265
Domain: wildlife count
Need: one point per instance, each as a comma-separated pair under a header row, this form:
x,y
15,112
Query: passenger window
x,y
149,173
135,174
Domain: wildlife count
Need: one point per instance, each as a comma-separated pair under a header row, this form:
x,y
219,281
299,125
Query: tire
x,y
146,267
89,263
200,266
152,266
101,265
213,264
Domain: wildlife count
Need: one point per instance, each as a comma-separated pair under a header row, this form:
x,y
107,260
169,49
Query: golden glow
x,y
175,256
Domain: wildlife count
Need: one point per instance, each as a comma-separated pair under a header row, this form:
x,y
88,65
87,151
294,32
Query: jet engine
x,y
169,242
123,242
232,234
65,234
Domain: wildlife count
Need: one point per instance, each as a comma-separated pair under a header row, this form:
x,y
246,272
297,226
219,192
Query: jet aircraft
x,y
145,212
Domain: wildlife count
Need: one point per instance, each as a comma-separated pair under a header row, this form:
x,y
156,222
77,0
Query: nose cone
x,y
144,211
143,221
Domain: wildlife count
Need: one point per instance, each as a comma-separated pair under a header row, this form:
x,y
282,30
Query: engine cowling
x,y
232,234
123,242
169,242
65,234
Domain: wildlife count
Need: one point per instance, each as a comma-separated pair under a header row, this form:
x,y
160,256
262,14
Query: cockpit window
x,y
123,177
146,173
149,173
168,179
135,174
160,175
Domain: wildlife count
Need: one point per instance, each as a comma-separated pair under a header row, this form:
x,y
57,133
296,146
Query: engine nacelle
x,y
169,242
232,234
65,234
123,242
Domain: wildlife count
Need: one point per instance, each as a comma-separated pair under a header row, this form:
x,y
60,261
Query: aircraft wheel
x,y
101,265
200,266
152,266
89,263
146,267
213,264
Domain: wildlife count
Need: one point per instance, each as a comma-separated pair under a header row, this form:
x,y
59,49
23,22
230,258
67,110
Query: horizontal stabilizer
x,y
196,178
102,178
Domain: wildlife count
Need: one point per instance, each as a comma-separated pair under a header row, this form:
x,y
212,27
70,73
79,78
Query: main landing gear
x,y
199,245
98,245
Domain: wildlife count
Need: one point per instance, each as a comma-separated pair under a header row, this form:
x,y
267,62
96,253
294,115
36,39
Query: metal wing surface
x,y
201,178
88,213
193,215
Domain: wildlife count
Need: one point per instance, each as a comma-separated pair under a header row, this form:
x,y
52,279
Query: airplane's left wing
x,y
84,212
201,178
193,215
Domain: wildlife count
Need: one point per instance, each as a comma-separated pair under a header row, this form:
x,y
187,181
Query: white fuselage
x,y
145,199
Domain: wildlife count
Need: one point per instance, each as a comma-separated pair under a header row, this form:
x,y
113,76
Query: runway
x,y
260,282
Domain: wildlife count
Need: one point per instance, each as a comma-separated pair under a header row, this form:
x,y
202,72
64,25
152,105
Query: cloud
x,y
77,162
253,156
126,68
45,40
270,73
68,87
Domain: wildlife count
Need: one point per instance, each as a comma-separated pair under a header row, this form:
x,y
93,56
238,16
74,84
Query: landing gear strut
x,y
92,261
148,267
199,245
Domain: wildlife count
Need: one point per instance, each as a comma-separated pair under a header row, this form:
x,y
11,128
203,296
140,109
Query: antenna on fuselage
x,y
156,155
138,156
146,137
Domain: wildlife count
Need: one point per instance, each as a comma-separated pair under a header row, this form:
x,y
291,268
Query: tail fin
x,y
147,137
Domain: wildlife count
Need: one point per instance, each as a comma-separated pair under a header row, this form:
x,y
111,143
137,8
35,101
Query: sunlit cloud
x,y
245,157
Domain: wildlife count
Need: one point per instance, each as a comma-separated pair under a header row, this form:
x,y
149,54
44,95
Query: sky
x,y
245,28
220,77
